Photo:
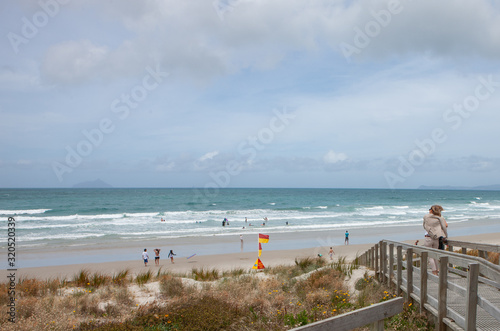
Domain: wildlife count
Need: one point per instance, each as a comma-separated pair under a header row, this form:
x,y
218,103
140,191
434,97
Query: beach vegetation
x,y
144,277
280,298
120,278
82,278
234,272
171,286
343,267
98,279
308,264
409,319
31,287
203,274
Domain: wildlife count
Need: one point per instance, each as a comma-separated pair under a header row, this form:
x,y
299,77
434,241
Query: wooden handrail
x,y
357,318
417,291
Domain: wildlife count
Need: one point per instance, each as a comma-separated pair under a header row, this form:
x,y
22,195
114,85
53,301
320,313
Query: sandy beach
x,y
243,260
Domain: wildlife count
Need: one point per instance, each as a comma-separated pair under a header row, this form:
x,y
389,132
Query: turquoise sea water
x,y
48,218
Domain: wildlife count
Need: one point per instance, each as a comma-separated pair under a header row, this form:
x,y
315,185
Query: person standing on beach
x,y
241,240
157,256
331,253
346,241
145,257
436,227
171,256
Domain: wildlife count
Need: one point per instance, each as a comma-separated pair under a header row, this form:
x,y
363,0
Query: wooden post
x,y
373,257
399,261
443,286
376,261
384,262
409,273
391,264
423,280
381,264
471,305
464,250
377,326
450,249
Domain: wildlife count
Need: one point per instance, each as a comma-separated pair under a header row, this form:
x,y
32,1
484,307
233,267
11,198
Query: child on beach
x,y
145,257
331,253
171,256
157,256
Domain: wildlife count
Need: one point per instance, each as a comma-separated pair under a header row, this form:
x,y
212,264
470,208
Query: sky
x,y
250,93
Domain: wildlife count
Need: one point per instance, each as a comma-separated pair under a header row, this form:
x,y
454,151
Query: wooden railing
x,y
410,263
374,314
483,249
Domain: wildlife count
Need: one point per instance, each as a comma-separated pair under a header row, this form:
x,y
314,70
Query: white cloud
x,y
208,156
74,61
165,167
190,39
331,157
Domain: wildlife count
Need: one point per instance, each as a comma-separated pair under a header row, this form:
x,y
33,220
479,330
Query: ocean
x,y
50,219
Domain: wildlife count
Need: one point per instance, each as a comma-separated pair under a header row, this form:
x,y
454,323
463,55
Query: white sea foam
x,y
23,212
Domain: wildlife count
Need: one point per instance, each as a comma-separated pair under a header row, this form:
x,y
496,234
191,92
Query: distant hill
x,y
93,184
479,188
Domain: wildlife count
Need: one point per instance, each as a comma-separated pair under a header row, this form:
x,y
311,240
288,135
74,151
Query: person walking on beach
x,y
346,241
157,256
241,240
331,253
145,257
436,228
171,256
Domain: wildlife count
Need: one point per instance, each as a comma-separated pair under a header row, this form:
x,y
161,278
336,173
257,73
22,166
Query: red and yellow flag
x,y
260,249
263,238
258,265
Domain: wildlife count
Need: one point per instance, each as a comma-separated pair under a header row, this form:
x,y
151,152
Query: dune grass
x,y
144,277
281,298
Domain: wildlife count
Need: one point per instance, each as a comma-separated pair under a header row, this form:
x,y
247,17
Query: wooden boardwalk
x,y
456,304
466,294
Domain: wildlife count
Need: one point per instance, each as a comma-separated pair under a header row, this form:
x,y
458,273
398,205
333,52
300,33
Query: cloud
x,y
208,156
190,40
331,157
74,61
